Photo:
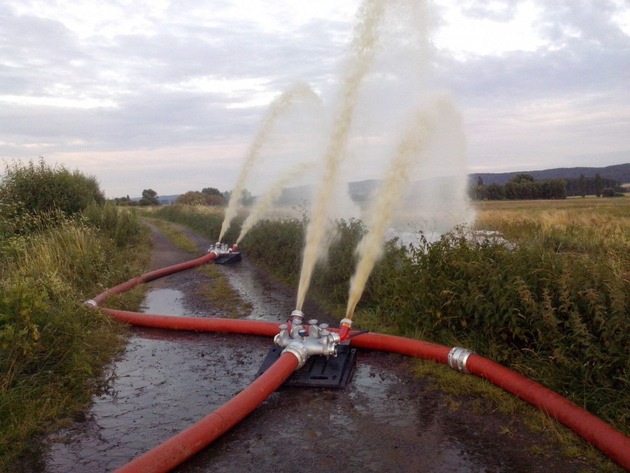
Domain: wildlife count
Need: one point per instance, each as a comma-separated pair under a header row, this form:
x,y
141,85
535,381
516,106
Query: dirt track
x,y
385,420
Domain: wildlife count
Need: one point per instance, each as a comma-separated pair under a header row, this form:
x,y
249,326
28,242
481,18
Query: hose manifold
x,y
305,341
457,358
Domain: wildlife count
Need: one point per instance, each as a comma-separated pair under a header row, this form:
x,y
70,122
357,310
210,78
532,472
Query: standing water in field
x,y
299,91
363,49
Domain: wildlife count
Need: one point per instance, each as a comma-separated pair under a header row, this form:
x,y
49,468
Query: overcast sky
x,y
168,95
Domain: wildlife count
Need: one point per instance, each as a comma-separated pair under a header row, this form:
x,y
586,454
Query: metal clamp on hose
x,y
300,352
457,358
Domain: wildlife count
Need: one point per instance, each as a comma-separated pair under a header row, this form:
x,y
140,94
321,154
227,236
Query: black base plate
x,y
318,371
228,258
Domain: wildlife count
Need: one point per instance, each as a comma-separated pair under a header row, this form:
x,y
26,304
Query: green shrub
x,y
558,318
121,224
35,189
52,348
272,241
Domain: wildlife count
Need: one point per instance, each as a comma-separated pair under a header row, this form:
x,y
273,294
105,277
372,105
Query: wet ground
x,y
384,420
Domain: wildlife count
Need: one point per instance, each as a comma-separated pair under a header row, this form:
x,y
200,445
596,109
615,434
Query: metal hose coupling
x,y
345,325
299,351
91,303
457,358
297,316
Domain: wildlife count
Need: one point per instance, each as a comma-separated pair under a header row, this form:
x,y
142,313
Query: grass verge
x,y
53,349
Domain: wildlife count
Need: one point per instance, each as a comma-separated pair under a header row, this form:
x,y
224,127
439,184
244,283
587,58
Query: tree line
x,y
207,196
524,187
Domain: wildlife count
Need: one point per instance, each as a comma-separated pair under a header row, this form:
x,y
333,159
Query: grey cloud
x,y
592,20
528,75
137,71
31,51
599,60
148,120
487,9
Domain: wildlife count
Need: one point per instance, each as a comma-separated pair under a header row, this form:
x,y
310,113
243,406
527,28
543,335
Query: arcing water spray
x,y
264,203
388,196
277,108
363,48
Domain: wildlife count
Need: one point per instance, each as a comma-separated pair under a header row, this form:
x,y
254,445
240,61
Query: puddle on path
x,y
268,303
164,301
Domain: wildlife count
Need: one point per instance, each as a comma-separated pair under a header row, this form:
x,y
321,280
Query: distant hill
x,y
361,190
618,172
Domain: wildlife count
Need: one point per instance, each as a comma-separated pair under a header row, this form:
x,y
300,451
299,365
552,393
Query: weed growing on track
x,y
219,292
176,237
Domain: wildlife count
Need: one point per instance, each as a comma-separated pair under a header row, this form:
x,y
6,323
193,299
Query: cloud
x,y
170,79
555,105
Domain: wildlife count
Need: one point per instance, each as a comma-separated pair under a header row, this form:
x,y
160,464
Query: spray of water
x,y
438,200
363,49
418,134
264,203
297,92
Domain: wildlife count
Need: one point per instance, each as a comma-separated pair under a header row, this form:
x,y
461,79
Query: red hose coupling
x,y
344,327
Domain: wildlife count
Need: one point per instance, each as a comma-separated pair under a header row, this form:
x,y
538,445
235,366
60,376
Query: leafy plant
x,y
35,189
52,348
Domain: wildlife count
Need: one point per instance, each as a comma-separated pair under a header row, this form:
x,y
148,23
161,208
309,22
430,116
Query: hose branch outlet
x,y
345,325
305,341
457,358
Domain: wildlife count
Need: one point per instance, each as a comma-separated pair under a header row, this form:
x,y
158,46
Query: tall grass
x,y
53,349
588,226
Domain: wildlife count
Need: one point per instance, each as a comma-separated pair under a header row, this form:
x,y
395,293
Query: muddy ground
x,y
384,420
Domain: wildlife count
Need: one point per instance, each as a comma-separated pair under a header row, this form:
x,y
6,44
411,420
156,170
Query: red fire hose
x,y
605,437
181,447
591,428
151,275
185,444
196,324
